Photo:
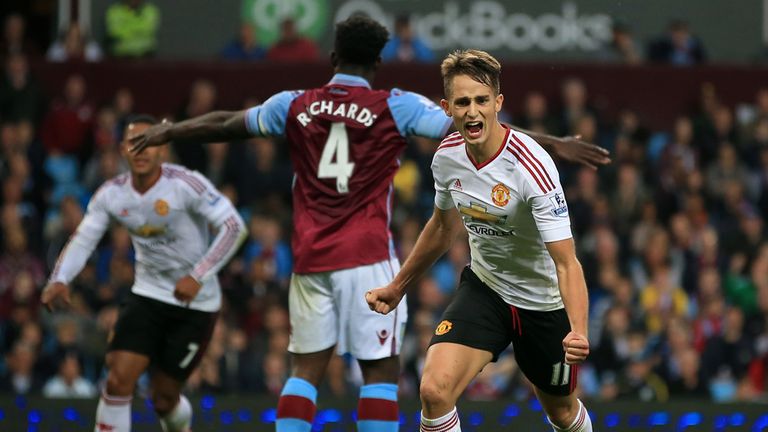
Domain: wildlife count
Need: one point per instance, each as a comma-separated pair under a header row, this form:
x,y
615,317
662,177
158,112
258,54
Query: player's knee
x,y
563,416
434,393
164,402
119,384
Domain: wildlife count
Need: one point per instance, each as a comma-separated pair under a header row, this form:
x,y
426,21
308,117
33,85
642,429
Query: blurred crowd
x,y
671,236
132,31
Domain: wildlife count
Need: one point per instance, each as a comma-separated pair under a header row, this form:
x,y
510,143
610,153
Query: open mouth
x,y
474,129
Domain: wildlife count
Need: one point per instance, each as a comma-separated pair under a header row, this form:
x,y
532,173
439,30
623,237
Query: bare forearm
x,y
211,127
432,243
573,290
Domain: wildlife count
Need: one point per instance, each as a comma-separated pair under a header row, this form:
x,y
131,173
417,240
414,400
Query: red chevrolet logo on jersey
x,y
383,335
104,427
457,184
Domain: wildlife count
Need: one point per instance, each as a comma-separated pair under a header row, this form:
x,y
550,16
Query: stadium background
x,y
671,235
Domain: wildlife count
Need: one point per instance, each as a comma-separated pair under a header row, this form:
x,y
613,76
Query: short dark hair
x,y
142,119
479,65
359,40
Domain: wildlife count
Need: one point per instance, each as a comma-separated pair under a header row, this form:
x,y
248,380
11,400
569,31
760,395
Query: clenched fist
x,y
384,300
576,347
54,294
186,289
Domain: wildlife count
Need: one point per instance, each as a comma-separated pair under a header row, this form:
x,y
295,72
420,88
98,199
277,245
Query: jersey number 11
x,y
340,167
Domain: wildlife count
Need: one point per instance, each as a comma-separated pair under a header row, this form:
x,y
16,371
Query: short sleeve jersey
x,y
169,228
510,205
345,140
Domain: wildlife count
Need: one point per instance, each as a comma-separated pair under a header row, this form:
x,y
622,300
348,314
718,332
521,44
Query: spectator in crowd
x,y
202,99
726,357
292,46
628,198
21,98
266,243
677,47
105,162
756,144
575,105
621,48
73,45
132,27
405,46
535,115
611,355
265,175
122,104
726,168
67,127
662,300
244,46
68,382
15,41
21,377
17,258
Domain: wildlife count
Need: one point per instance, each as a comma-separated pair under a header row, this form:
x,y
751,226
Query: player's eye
x,y
462,102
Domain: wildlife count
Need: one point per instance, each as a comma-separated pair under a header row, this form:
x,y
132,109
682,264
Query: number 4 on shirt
x,y
339,167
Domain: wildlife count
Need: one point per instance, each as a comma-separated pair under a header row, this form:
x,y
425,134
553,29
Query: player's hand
x,y
573,149
186,289
576,347
384,300
54,294
155,135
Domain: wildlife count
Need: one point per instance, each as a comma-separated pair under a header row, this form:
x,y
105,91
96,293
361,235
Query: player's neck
x,y
144,182
482,152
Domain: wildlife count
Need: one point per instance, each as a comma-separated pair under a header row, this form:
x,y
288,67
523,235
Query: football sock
x,y
296,407
582,422
377,408
113,413
180,419
447,423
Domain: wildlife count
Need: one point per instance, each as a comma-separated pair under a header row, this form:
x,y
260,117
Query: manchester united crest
x,y
500,195
161,207
444,327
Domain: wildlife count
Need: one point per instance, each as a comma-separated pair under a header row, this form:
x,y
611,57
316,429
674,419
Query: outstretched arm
x,y
436,238
212,127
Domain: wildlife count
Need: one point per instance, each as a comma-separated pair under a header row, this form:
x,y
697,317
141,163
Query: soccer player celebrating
x,y
524,284
167,322
345,139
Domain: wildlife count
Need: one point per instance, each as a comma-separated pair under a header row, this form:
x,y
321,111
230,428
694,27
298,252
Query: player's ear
x,y
499,102
444,105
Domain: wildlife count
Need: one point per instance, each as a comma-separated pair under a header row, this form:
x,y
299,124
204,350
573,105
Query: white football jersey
x,y
510,205
169,227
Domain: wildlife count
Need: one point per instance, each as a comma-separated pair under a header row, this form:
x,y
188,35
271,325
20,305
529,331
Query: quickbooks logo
x,y
494,24
266,15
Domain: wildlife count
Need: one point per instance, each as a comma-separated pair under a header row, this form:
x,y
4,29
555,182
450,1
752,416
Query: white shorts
x,y
329,309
